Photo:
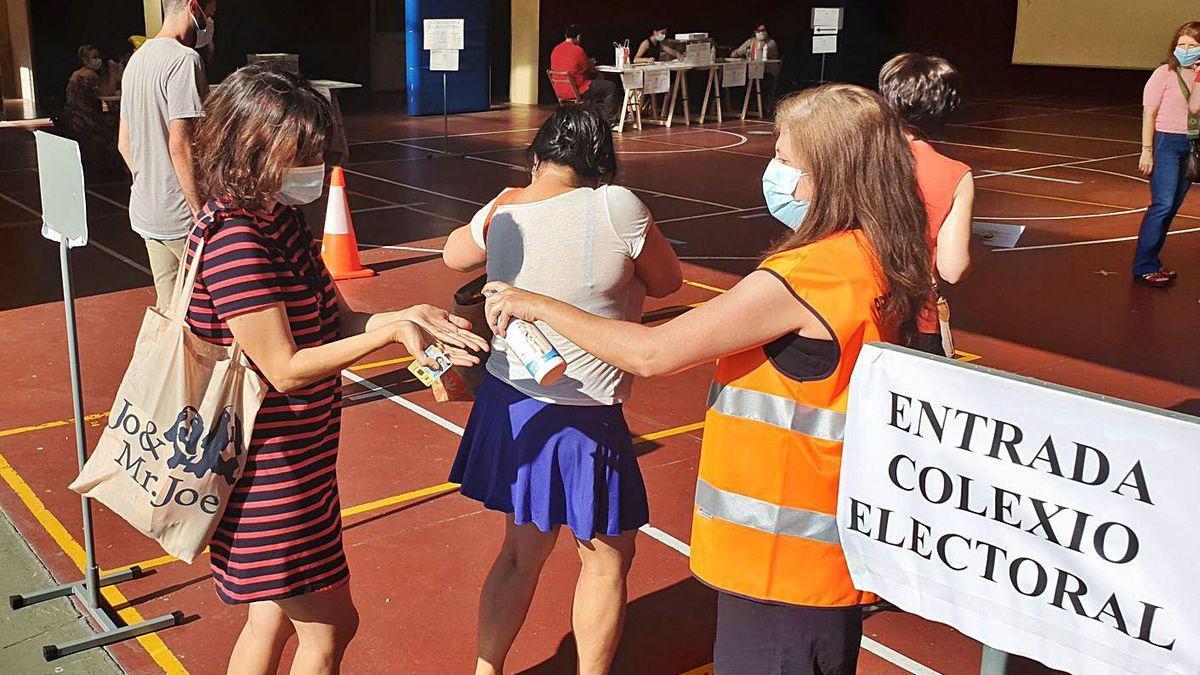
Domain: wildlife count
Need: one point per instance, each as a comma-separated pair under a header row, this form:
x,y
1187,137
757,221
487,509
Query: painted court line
x,y
37,214
390,247
426,138
91,241
386,207
1059,165
1014,174
413,187
1071,244
404,403
1018,150
1047,133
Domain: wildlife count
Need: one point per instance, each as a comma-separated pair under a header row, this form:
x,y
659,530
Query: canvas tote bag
x,y
176,437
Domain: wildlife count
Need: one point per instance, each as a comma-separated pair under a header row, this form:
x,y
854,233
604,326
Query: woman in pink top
x,y
1165,147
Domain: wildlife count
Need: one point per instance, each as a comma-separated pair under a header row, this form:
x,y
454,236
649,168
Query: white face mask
x,y
302,185
761,35
94,64
204,35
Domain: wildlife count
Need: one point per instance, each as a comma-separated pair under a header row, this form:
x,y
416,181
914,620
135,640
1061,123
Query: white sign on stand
x,y
825,44
827,17
444,34
444,38
656,80
60,173
443,60
1039,520
733,74
755,70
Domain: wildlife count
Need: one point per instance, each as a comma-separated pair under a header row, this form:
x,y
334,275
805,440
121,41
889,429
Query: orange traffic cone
x,y
339,248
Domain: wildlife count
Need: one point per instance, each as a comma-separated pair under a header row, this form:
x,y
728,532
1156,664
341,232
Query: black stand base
x,y
110,633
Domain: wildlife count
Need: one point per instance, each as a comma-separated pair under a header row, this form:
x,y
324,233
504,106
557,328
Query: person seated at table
x,y
758,47
570,57
654,48
83,113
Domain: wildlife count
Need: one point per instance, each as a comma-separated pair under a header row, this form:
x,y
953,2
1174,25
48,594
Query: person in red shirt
x,y
568,56
923,90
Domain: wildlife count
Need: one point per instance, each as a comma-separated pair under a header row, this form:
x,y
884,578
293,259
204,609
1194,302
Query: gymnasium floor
x,y
1059,307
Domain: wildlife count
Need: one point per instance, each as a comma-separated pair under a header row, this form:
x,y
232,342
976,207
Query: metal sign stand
x,y
62,191
826,22
445,118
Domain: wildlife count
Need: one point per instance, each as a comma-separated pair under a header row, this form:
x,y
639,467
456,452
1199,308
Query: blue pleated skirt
x,y
551,465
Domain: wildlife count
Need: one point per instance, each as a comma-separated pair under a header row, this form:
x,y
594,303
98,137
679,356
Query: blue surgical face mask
x,y
1187,57
779,188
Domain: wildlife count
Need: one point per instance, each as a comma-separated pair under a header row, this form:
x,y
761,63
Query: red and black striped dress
x,y
281,535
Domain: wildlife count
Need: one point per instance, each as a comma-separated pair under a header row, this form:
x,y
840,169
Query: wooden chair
x,y
558,77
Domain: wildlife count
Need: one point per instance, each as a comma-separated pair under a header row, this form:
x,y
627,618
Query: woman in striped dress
x,y
278,547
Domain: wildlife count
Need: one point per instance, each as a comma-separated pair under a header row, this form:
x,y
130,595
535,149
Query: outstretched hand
x,y
415,339
446,328
505,303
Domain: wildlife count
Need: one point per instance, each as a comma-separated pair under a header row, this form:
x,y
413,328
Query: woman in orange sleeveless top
x,y
786,339
923,90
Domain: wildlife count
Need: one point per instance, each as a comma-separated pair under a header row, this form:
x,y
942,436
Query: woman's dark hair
x,y
1192,30
921,88
257,124
852,145
577,137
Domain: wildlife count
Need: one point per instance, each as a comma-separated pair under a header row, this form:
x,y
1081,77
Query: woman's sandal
x,y
1168,272
1154,279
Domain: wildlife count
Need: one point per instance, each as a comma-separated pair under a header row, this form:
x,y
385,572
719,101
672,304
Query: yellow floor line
x,y
381,364
702,670
965,357
50,425
154,646
706,287
434,490
668,432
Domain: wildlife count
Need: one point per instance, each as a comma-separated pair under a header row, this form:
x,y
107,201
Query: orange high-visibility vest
x,y
764,523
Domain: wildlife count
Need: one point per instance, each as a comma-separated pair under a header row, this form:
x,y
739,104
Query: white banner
x,y
656,80
755,69
733,74
632,79
1038,520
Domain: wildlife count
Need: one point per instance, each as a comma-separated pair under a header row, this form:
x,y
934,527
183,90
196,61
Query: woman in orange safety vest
x,y
786,338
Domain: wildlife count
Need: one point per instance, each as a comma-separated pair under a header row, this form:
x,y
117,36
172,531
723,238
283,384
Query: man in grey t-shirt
x,y
162,91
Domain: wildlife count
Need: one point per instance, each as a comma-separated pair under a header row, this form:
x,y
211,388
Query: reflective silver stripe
x,y
777,411
765,516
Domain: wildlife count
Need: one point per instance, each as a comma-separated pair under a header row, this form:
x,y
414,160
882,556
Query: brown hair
x,y
257,124
921,88
1192,30
854,149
